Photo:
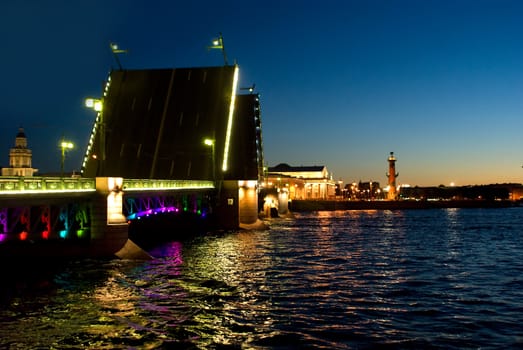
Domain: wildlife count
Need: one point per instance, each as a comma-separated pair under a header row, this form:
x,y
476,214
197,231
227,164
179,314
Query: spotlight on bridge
x,y
210,143
94,103
97,105
66,145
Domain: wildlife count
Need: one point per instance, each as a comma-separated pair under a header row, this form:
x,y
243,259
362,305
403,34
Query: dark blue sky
x,y
342,83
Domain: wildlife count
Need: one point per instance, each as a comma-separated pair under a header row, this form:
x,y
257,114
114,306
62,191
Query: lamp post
x,y
210,143
64,145
218,44
116,50
93,103
97,105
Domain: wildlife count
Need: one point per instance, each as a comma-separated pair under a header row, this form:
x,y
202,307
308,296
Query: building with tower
x,y
20,158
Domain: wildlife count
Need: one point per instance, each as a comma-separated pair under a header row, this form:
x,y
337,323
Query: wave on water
x,y
355,279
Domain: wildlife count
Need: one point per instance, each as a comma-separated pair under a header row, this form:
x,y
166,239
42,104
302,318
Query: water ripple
x,y
431,279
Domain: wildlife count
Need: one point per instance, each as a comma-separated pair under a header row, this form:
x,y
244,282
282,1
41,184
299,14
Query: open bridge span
x,y
163,141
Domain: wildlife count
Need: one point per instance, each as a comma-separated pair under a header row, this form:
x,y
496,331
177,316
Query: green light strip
x,y
167,188
23,192
155,185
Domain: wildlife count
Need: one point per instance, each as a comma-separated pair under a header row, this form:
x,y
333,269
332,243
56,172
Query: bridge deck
x,y
19,191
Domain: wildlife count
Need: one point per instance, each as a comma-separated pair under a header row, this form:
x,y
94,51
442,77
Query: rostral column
x,y
392,195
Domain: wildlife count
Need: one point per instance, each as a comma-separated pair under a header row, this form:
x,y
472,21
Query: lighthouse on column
x,y
392,175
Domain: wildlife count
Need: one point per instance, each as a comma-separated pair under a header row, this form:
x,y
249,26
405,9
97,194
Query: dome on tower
x,y
21,132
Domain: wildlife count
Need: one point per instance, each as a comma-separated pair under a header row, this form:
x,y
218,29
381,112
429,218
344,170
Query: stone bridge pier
x,y
109,227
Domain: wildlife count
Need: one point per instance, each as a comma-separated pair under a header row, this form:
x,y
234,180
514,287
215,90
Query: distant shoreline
x,y
330,205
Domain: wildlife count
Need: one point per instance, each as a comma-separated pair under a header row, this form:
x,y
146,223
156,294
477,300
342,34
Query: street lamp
x,y
64,145
218,44
210,143
93,103
116,50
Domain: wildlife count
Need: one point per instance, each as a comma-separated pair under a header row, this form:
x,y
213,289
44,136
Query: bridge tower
x,y
392,175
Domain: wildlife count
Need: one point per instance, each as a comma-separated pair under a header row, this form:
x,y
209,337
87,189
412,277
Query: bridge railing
x,y
152,184
36,184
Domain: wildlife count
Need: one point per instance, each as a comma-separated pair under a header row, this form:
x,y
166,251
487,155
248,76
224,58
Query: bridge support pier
x,y
109,227
283,202
227,207
237,205
275,203
248,206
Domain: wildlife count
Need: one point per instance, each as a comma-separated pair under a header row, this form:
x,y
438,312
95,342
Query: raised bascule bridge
x,y
170,150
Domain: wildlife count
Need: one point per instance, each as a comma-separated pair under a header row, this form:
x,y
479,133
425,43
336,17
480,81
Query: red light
x,y
23,235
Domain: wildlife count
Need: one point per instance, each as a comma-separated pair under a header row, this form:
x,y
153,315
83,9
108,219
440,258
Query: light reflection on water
x,y
353,279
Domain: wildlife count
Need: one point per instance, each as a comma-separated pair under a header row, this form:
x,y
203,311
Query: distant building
x,y
20,158
370,190
507,191
302,182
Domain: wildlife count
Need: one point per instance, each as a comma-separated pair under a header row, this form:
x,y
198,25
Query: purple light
x,y
163,210
156,211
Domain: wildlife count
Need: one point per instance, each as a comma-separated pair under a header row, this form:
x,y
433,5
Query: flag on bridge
x,y
217,43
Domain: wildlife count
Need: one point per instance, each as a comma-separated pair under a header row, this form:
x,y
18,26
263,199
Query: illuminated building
x,y
20,158
369,190
302,182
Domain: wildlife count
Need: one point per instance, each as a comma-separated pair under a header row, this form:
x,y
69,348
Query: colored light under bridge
x,y
163,210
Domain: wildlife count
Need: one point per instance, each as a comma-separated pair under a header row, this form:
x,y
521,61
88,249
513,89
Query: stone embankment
x,y
317,205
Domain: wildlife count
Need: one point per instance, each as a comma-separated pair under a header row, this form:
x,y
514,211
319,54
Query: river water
x,y
411,279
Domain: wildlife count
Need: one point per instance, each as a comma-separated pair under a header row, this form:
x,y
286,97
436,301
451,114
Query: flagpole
x,y
116,51
223,50
218,44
